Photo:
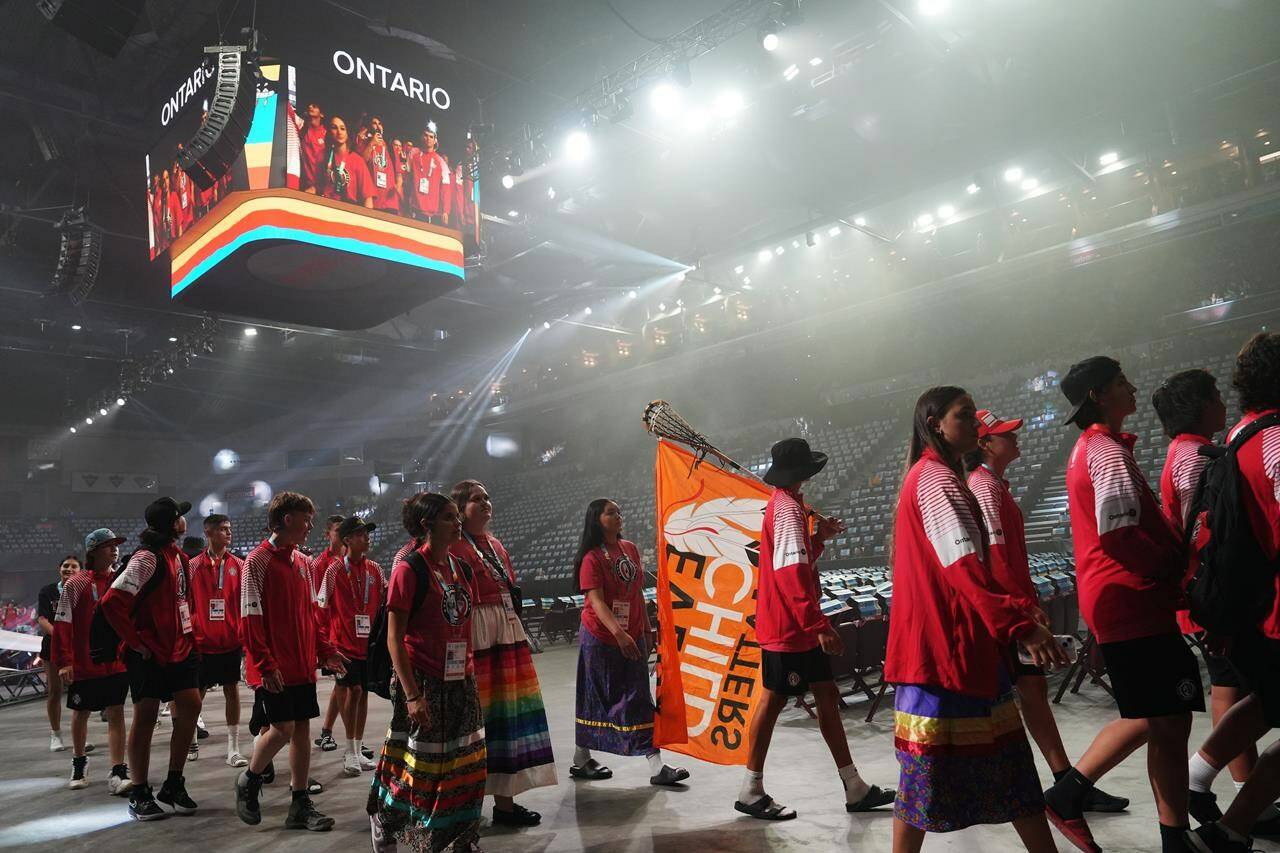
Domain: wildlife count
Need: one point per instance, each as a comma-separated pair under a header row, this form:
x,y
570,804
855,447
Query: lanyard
x,y
453,573
368,580
221,564
93,588
489,558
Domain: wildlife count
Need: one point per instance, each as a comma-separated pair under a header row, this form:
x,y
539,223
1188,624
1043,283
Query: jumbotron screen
x,y
351,115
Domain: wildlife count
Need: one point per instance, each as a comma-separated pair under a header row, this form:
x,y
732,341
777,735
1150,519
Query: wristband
x,y
409,699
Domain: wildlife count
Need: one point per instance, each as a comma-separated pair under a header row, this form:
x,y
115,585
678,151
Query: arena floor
x,y
623,814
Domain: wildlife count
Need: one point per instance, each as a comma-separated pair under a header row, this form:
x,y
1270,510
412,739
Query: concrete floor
x,y
623,814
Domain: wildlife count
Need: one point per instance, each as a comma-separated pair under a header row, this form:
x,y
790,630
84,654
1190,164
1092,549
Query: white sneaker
x,y
118,786
350,765
193,752
79,776
164,710
368,763
55,742
235,759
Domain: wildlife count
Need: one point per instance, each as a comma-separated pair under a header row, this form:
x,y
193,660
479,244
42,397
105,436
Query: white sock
x,y
1200,774
655,762
233,739
581,755
1239,785
359,745
352,747
200,721
752,787
854,788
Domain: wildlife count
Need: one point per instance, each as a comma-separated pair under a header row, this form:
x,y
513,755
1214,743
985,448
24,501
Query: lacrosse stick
x,y
663,421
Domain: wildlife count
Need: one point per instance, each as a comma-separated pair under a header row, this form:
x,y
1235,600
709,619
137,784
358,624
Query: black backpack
x,y
104,642
1234,583
378,669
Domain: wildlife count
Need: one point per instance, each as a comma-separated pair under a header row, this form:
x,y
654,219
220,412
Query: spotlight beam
x,y
870,232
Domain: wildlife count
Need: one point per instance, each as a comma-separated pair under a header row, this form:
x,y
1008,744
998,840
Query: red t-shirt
x,y
1006,539
312,143
1128,560
788,618
431,182
76,606
186,200
350,596
444,616
615,571
384,168
1259,462
175,215
215,601
346,178
1183,466
486,564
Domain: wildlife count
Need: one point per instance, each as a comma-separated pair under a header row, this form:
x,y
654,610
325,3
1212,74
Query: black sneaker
x,y
247,791
303,815
1211,839
517,815
201,732
269,775
1203,806
173,797
143,806
366,752
326,742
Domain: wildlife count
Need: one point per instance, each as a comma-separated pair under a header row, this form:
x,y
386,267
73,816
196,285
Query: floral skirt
x,y
964,761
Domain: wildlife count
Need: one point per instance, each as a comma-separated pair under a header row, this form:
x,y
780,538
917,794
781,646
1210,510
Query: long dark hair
x,y
592,534
932,404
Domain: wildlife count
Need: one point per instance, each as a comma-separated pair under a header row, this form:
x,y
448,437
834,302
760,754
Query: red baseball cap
x,y
989,424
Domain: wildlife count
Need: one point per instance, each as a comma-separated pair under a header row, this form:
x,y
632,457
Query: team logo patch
x,y
1186,689
75,698
455,604
793,678
624,569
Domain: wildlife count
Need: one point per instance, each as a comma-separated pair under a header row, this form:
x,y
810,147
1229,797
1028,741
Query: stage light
x,y
587,311
1013,174
695,121
88,421
833,231
816,61
551,193
729,103
972,189
790,73
946,211
860,221
778,250
226,460
716,291
1029,184
120,401
930,8
102,411
73,430
76,327
763,255
508,182
1109,158
210,504
173,340
795,244
769,36
739,269
261,492
170,371
577,146
662,306
746,282
546,324
924,220
631,294
512,214
250,332
665,99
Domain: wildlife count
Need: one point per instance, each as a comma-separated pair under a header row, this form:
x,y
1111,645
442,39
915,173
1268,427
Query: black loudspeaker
x,y
102,24
219,141
79,259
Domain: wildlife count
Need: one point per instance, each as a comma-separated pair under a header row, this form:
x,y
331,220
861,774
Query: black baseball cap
x,y
163,512
1085,376
353,524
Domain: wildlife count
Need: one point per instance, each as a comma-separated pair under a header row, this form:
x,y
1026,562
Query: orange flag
x,y
708,554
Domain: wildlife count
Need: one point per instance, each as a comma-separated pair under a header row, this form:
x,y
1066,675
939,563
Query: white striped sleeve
x,y
252,580
788,535
988,492
1271,458
67,601
1186,467
142,565
946,514
1115,494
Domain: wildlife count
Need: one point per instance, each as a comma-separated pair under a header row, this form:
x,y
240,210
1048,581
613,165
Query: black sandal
x,y
874,799
669,776
592,770
518,815
766,809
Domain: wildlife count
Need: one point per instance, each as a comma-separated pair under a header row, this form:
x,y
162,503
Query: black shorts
x,y
1018,669
219,669
1154,676
791,673
1222,673
1257,659
294,702
149,679
357,675
96,694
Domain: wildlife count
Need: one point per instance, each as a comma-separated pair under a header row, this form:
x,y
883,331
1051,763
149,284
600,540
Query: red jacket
x,y
1006,537
1128,560
320,566
215,593
1183,466
350,596
79,600
951,619
278,617
1259,461
163,622
788,618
